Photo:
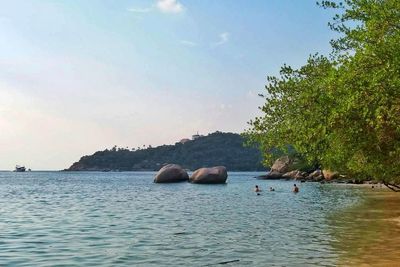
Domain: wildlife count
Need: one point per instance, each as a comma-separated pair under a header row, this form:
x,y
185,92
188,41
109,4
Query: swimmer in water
x,y
257,189
271,189
295,189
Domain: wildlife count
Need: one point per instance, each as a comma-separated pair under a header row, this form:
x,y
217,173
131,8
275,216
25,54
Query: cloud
x,y
170,6
139,10
188,43
224,106
251,94
223,38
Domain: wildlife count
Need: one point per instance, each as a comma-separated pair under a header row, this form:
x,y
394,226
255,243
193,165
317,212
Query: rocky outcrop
x,y
214,175
283,169
171,173
330,175
282,165
272,175
291,168
315,176
296,175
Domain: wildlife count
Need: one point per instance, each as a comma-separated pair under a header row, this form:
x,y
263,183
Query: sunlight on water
x,y
368,234
107,219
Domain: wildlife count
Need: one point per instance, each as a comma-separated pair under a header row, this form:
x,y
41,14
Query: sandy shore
x,y
375,186
368,234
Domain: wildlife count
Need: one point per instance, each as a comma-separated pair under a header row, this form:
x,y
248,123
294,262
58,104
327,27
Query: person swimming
x,y
257,189
295,189
271,189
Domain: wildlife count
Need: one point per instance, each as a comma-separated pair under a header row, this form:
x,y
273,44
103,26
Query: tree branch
x,y
392,187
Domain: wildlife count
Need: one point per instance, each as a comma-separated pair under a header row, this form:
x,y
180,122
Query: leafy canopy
x,y
342,112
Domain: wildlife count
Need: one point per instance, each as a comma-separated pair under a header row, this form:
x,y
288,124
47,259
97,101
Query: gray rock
x,y
315,176
214,175
271,176
296,174
171,173
282,165
291,174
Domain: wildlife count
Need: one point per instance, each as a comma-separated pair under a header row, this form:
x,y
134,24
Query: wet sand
x,y
368,234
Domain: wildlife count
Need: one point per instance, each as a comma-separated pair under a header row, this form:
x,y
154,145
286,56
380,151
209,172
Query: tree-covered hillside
x,y
215,149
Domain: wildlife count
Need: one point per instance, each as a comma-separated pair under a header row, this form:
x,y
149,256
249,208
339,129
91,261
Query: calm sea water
x,y
124,219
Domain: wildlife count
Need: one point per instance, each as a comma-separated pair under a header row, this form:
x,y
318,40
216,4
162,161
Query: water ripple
x,y
108,219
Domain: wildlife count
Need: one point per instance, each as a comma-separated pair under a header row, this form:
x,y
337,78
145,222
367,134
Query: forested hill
x,y
214,149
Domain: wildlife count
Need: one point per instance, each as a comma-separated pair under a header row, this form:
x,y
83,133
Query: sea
x,y
124,219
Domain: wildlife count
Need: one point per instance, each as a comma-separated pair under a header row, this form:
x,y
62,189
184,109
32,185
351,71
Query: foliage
x,y
215,149
342,112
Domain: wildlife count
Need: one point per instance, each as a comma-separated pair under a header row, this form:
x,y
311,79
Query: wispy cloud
x,y
223,106
139,10
223,38
188,43
170,6
251,94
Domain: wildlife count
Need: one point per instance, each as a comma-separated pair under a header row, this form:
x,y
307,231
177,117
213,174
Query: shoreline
x,y
375,241
379,186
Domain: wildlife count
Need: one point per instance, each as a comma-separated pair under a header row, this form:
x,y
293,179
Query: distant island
x,y
217,148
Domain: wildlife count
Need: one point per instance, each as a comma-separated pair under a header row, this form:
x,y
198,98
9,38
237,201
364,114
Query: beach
x,y
368,234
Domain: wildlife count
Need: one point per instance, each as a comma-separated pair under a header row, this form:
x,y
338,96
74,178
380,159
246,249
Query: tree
x,y
342,112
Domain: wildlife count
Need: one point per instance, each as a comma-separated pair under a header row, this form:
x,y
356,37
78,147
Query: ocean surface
x,y
124,219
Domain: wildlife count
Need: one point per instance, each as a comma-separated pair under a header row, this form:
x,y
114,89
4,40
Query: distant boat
x,y
20,168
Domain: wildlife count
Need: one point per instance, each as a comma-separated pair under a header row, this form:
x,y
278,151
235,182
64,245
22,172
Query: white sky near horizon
x,y
81,76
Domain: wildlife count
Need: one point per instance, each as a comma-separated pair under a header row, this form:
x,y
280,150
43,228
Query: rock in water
x,y
171,173
214,175
271,176
296,174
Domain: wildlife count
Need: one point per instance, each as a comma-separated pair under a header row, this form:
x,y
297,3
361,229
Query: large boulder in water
x,y
171,173
214,175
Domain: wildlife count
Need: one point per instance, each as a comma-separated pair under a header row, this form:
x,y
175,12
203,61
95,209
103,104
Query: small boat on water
x,y
20,168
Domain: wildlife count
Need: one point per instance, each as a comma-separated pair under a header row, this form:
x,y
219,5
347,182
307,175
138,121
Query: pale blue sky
x,y
80,76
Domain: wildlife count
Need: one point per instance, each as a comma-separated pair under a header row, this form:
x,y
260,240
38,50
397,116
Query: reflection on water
x,y
123,219
368,234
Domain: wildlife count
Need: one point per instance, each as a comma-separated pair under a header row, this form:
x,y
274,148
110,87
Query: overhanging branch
x,y
393,187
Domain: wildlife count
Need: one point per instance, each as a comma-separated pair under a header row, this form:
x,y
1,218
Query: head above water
x,y
294,185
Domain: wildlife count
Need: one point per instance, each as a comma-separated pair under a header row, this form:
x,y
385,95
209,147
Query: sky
x,y
81,76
